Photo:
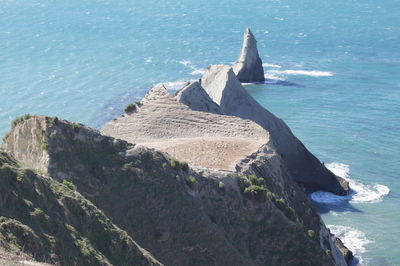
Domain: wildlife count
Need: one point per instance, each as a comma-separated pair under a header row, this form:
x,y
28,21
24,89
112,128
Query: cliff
x,y
182,215
248,67
225,89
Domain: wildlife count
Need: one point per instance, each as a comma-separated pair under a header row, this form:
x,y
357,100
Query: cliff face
x,y
51,222
248,67
225,89
185,215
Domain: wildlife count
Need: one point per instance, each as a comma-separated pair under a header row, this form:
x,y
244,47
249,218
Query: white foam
x,y
359,192
272,78
312,73
353,239
271,65
175,85
196,71
184,62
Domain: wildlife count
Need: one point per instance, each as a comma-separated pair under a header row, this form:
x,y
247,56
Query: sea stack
x,y
248,67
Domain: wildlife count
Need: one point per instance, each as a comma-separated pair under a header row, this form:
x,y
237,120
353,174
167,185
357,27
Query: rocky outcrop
x,y
225,89
201,138
187,215
248,67
194,96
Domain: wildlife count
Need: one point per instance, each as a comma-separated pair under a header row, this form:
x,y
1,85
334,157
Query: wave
x,y
312,73
353,239
196,71
271,65
359,192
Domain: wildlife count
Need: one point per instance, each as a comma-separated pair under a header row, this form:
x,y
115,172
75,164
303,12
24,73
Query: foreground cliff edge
x,y
179,214
203,177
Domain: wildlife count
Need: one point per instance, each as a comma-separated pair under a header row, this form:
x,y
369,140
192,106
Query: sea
x,y
332,69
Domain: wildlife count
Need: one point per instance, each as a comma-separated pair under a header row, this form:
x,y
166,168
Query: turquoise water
x,y
333,69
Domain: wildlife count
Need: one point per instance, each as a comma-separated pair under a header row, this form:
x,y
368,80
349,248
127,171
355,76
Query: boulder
x,y
248,67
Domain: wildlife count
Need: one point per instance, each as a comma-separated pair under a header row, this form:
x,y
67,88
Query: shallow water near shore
x,y
331,67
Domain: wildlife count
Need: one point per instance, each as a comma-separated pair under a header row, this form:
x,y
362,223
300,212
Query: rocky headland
x,y
205,176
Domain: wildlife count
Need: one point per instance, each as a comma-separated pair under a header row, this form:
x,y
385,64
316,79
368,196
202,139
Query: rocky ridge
x,y
255,216
225,89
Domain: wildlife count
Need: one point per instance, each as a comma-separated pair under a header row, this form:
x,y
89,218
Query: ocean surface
x,y
333,70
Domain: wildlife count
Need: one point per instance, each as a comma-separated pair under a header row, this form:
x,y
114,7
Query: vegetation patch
x,y
54,121
311,234
76,127
177,165
191,181
253,187
130,108
44,146
20,119
69,184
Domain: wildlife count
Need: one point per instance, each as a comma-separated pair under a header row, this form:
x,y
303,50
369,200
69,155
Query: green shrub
x,y
175,164
191,181
164,165
36,212
184,166
130,108
255,192
76,127
138,103
44,146
69,184
311,233
271,195
221,185
256,181
54,121
328,252
243,183
19,119
253,187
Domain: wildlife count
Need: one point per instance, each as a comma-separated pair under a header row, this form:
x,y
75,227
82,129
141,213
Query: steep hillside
x,y
53,223
183,215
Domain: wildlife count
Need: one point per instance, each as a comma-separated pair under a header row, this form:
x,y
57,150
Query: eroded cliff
x,y
186,215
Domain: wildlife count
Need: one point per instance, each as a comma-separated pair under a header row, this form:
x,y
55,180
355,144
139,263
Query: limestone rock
x,y
202,138
194,96
225,89
248,67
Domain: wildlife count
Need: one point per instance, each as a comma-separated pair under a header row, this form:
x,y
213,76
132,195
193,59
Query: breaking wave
x,y
353,239
312,73
271,65
359,192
